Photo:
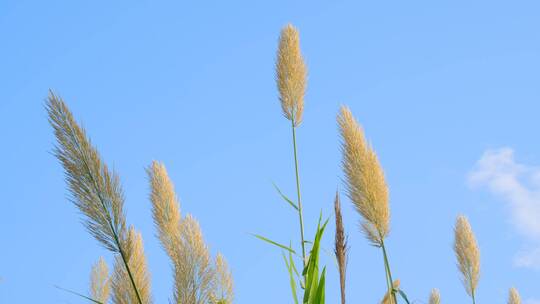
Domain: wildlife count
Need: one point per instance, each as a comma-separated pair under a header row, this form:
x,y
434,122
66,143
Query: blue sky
x,y
447,92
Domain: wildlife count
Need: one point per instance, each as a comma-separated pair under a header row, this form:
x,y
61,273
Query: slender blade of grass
x,y
260,237
78,294
284,197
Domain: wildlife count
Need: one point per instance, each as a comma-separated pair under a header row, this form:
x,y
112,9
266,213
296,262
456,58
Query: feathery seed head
x,y
291,74
94,189
467,254
435,297
366,185
165,208
100,281
223,293
513,296
123,292
194,275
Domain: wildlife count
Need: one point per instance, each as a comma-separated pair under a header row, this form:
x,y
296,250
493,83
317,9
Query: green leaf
x,y
290,266
78,294
274,243
283,196
403,295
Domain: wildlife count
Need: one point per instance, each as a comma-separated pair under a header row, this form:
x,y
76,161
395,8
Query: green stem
x,y
300,216
388,272
473,297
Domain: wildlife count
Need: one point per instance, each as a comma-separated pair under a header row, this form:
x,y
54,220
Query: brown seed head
x,y
291,74
467,254
341,248
366,185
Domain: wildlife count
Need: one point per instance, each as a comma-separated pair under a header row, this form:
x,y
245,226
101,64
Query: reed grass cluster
x,y
96,191
200,278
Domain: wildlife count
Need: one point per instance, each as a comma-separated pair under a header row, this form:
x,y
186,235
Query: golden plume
x,y
223,293
513,296
122,291
435,297
291,74
365,181
468,255
165,208
341,247
94,189
100,282
195,276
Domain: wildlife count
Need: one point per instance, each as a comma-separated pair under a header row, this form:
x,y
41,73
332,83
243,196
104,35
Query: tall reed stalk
x,y
291,82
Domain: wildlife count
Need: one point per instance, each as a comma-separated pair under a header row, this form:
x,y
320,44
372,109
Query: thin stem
x,y
388,272
473,297
300,216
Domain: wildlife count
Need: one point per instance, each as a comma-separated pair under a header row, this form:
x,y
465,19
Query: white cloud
x,y
517,185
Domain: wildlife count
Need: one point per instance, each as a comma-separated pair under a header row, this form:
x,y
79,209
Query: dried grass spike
x,y
223,293
467,254
366,185
123,292
341,248
165,208
435,297
291,74
100,282
513,296
194,276
94,189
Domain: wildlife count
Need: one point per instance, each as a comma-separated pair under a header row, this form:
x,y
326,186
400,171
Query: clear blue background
x,y
435,83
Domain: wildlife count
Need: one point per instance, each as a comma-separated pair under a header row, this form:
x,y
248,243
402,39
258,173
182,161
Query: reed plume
x,y
197,280
366,186
388,298
100,283
195,276
291,82
513,296
165,209
122,293
435,297
291,75
468,255
94,189
223,293
341,249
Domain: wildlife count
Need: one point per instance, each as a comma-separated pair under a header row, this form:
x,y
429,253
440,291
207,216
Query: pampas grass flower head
x,y
435,297
366,185
468,254
100,283
513,296
291,74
